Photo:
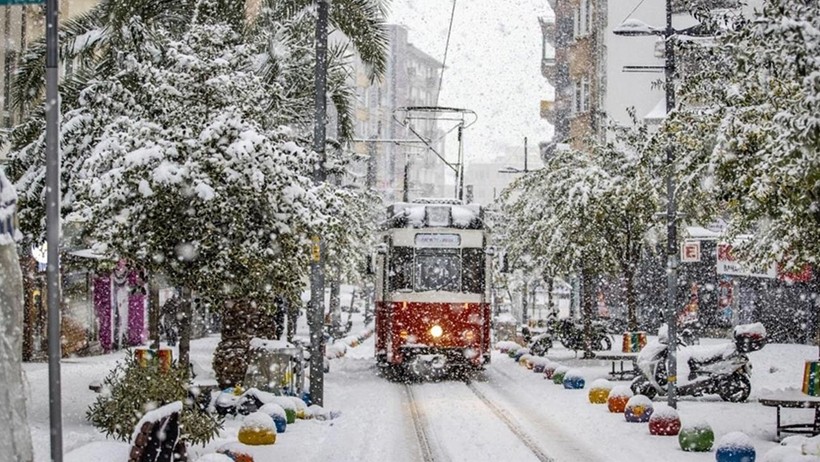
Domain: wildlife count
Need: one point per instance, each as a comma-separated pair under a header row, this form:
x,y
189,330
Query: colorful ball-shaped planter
x,y
558,375
288,405
735,447
549,370
618,398
524,359
278,414
512,350
664,421
520,352
638,409
599,391
574,380
696,437
257,429
538,365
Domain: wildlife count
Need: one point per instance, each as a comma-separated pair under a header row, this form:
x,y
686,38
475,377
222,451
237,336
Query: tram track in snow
x,y
420,426
523,436
430,451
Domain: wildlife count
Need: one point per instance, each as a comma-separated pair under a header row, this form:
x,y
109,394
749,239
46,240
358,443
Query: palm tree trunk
x,y
587,301
631,301
184,323
153,312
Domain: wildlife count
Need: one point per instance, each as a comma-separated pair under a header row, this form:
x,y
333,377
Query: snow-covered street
x,y
383,420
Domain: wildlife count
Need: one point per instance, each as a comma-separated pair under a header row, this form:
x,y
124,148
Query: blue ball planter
x,y
735,454
519,354
638,414
281,423
573,383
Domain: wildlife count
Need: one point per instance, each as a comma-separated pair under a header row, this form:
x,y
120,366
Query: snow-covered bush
x,y
130,390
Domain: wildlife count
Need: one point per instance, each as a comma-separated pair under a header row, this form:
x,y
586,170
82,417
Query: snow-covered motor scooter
x,y
723,369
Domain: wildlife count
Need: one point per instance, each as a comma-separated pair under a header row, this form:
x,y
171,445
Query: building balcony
x,y
547,111
548,69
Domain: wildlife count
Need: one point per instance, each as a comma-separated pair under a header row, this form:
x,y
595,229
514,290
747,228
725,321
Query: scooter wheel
x,y
736,388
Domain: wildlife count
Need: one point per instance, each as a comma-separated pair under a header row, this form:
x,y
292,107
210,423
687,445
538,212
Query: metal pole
x,y
460,162
525,155
671,218
317,270
53,229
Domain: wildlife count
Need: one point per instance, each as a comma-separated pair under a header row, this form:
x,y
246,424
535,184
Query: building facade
x,y
398,164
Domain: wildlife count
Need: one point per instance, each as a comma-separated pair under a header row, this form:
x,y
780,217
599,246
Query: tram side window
x,y
473,267
401,268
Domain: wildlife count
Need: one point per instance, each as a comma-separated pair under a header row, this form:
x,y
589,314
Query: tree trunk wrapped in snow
x,y
15,440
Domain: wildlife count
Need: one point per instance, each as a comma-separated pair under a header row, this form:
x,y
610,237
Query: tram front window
x,y
438,269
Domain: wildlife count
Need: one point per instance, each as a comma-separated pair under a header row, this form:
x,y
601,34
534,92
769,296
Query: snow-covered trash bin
x,y
735,447
257,429
504,346
696,436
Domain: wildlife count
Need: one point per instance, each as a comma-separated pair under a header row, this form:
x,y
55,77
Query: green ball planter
x,y
696,439
558,375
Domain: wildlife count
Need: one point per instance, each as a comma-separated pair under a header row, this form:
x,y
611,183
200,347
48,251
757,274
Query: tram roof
x,y
432,213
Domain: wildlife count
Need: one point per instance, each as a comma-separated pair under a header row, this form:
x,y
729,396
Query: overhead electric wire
x,y
633,10
446,48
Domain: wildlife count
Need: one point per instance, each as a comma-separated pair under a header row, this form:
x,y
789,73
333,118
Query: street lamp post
x,y
317,269
638,28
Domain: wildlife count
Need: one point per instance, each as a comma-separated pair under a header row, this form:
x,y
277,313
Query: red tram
x,y
432,287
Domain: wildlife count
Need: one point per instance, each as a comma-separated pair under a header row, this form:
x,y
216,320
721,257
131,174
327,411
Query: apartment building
x,y
399,165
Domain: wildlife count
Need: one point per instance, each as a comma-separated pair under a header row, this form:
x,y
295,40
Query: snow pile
x,y
636,400
506,345
269,345
573,374
696,425
735,441
336,350
273,409
621,391
601,384
664,412
155,416
756,330
214,458
8,204
259,421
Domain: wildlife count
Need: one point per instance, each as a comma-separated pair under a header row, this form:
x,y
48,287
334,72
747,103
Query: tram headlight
x,y
436,331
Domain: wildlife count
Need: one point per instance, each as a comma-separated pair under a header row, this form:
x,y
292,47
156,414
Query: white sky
x,y
493,67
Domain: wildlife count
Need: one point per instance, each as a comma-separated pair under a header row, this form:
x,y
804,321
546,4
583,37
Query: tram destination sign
x,y
21,2
438,240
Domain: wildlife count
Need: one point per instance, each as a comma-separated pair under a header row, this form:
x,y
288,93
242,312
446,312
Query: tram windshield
x,y
438,269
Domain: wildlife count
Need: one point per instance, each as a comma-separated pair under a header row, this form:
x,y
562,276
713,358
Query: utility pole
x,y
637,28
52,106
317,271
671,219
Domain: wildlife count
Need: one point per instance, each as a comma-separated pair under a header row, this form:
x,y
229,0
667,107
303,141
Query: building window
x,y
587,7
576,30
581,99
578,99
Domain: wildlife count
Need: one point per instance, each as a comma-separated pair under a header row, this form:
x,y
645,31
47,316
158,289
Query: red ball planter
x,y
549,369
664,425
